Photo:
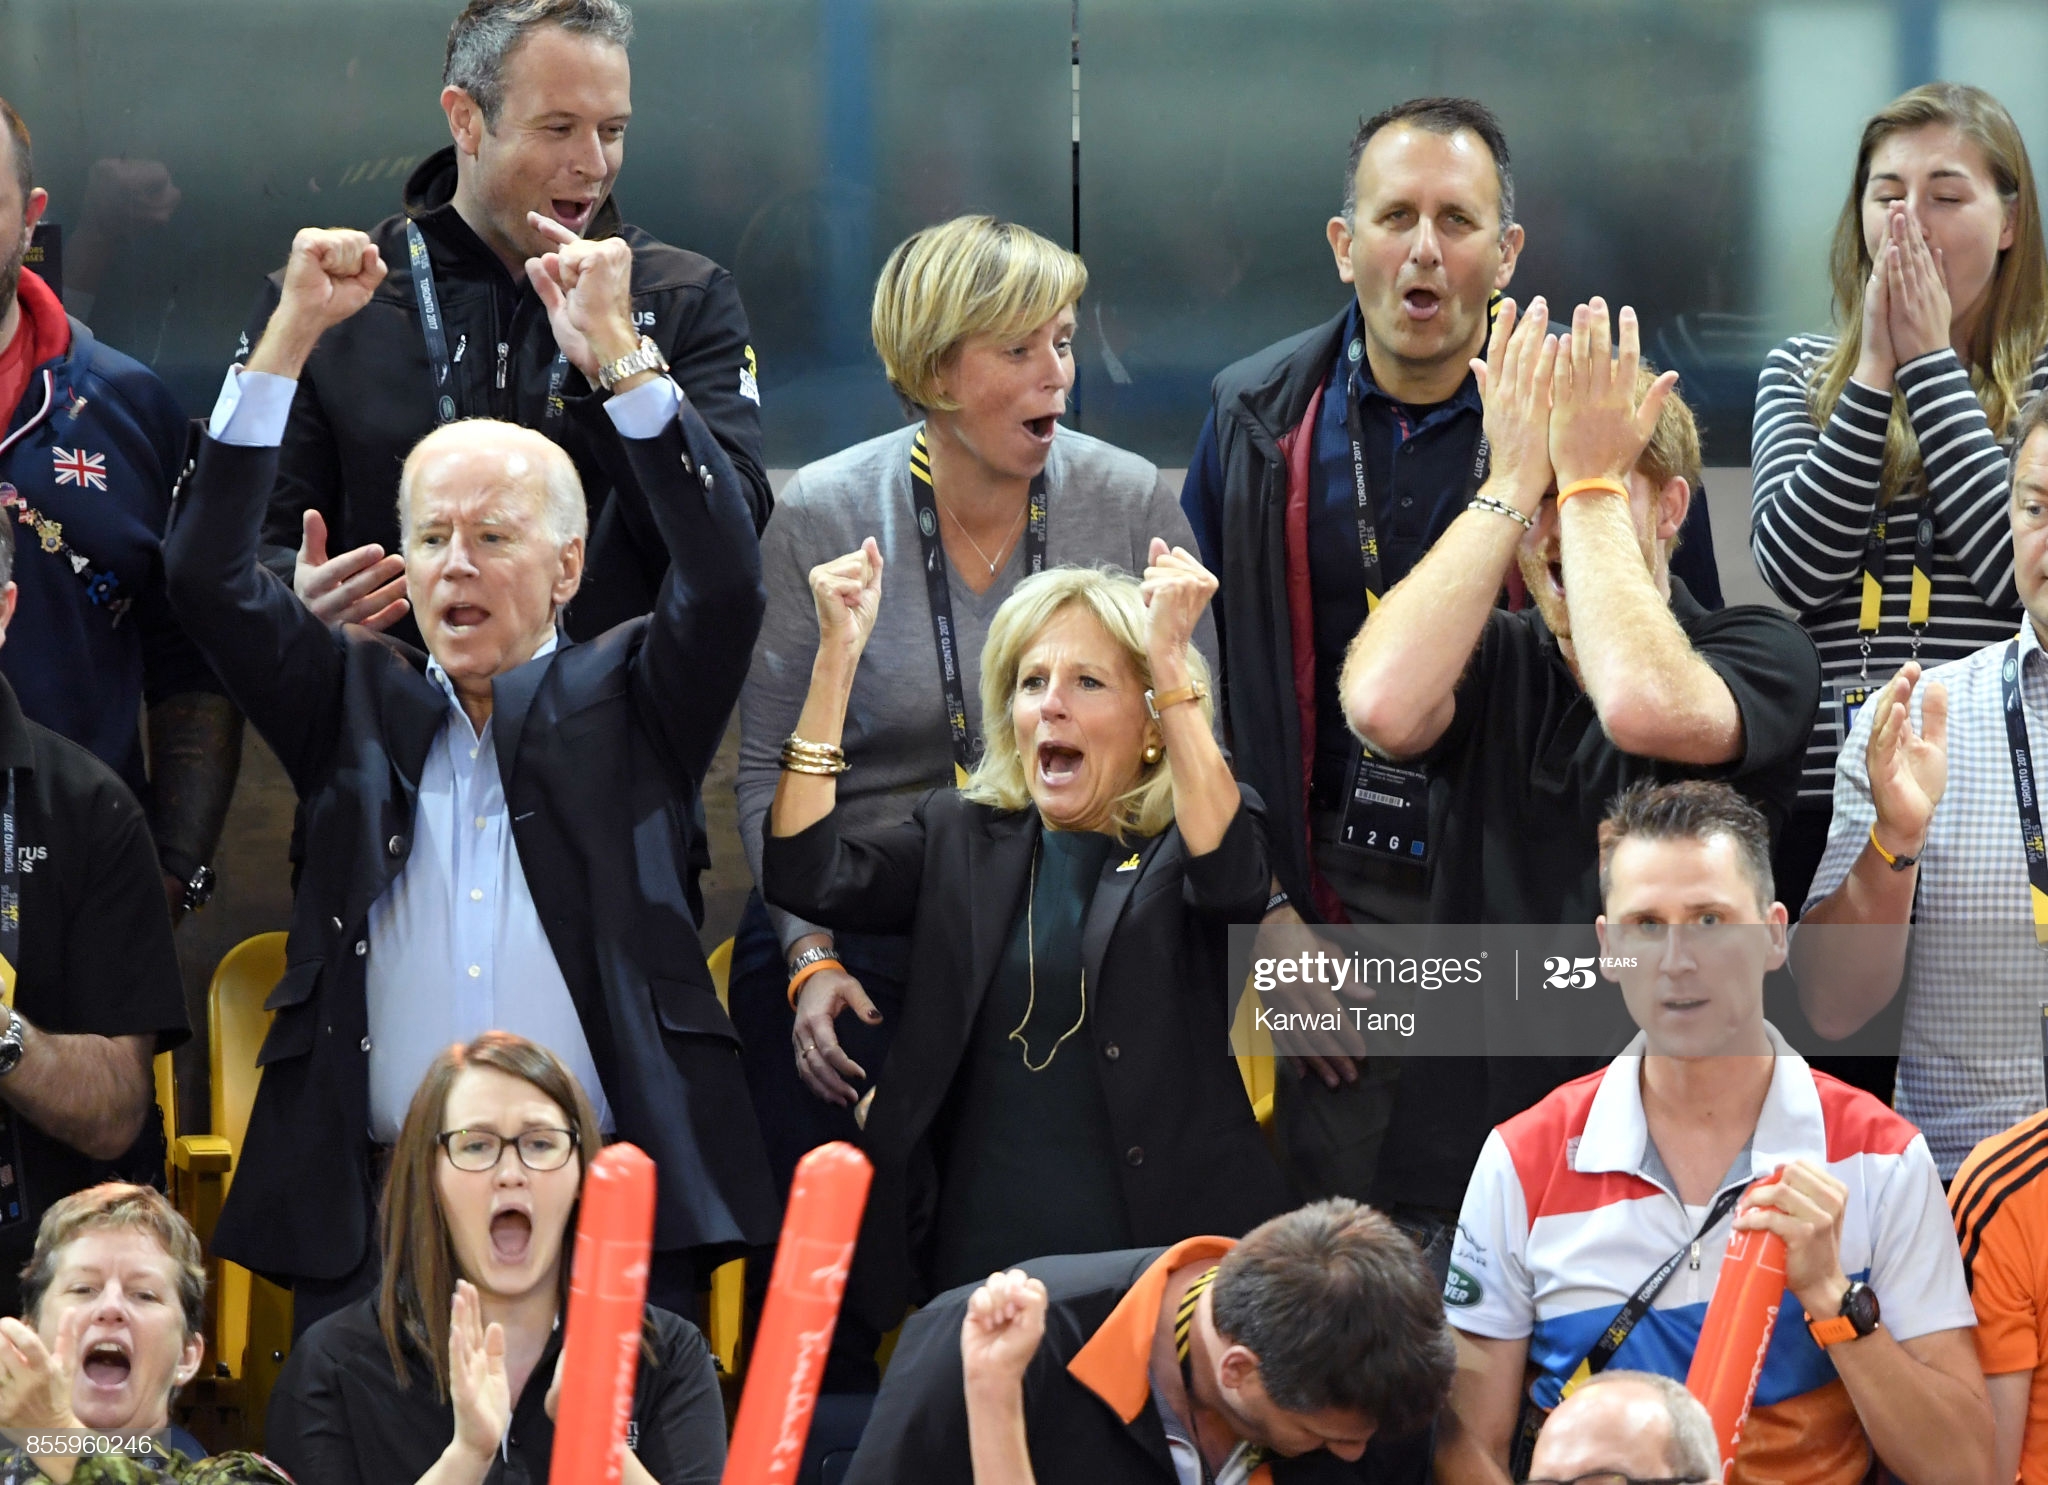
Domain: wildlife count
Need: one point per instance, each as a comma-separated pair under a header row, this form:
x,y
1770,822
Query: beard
x,y
1555,606
1535,568
10,277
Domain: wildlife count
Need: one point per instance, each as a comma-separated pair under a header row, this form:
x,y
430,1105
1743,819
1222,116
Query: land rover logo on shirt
x,y
1461,1289
1357,350
927,523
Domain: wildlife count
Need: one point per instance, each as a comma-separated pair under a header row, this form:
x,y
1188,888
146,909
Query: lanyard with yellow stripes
x,y
1922,595
939,592
1250,1456
2025,791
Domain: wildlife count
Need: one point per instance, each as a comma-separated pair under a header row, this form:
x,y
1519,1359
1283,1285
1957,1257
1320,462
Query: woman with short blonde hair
x,y
113,1305
1001,779
970,276
974,322
1058,1084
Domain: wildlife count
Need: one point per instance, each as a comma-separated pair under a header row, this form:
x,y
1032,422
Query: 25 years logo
x,y
1569,974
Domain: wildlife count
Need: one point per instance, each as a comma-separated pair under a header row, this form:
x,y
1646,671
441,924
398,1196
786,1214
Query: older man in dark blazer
x,y
496,832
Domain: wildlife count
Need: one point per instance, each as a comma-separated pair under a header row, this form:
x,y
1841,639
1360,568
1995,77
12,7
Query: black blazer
x,y
602,747
918,1430
1154,941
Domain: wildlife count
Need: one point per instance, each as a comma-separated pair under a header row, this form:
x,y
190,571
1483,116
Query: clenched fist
x,y
331,274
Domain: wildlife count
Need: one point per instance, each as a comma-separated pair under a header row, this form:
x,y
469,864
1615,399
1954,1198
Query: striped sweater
x,y
1815,497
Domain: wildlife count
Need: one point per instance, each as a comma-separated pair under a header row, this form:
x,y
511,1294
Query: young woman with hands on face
x,y
1880,455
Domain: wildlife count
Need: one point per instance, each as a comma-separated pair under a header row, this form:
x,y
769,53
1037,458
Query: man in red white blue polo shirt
x,y
1641,1169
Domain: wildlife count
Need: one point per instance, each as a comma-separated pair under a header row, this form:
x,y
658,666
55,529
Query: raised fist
x,y
331,274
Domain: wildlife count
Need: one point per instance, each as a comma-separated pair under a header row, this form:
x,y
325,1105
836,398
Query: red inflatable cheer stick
x,y
607,1298
1737,1332
825,1203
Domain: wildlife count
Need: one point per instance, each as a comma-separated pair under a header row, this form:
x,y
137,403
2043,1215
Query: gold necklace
x,y
1031,960
1008,536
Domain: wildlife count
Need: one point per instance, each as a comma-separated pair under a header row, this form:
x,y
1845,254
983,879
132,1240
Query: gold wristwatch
x,y
646,356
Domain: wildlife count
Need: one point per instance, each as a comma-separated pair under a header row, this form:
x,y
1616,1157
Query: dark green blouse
x,y
1027,1160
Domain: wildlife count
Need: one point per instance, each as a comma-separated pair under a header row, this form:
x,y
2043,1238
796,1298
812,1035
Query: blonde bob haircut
x,y
973,275
1111,595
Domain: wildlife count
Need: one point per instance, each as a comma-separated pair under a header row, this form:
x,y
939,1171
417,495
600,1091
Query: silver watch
x,y
10,1043
646,356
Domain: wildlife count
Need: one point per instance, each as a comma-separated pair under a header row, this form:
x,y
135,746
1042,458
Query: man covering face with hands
x,y
1529,722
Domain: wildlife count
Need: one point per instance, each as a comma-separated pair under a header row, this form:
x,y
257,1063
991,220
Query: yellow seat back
x,y
253,1325
1255,1059
728,1280
236,1026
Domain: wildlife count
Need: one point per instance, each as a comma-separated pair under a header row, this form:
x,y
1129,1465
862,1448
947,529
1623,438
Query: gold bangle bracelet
x,y
824,759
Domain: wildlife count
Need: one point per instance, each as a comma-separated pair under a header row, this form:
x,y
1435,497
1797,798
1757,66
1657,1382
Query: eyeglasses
x,y
481,1149
1615,1477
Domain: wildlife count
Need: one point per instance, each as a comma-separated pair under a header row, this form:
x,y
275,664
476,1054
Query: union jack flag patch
x,y
77,467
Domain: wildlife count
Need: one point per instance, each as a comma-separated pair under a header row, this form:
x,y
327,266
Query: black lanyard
x,y
13,1209
436,336
2025,794
1639,1303
10,899
1368,532
944,634
1922,593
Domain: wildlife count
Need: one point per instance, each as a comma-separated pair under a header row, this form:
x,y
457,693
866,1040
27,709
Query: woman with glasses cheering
x,y
453,1366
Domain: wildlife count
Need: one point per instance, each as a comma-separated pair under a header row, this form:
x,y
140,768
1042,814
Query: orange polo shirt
x,y
1116,1364
2001,1211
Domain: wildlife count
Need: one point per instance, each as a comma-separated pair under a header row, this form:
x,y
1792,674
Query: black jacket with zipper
x,y
367,394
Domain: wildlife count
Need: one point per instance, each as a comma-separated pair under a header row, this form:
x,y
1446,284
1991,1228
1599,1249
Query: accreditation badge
x,y
1386,813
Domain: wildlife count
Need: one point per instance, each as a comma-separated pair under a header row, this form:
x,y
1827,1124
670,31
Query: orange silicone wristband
x,y
1612,487
796,982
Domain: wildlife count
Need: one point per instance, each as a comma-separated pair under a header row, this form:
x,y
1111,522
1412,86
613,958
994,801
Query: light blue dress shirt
x,y
455,945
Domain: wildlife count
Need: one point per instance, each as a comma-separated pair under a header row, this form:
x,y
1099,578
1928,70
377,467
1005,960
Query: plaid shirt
x,y
1976,980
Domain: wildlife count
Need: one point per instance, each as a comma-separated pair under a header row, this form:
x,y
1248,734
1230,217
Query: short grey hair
x,y
564,512
485,35
1691,1453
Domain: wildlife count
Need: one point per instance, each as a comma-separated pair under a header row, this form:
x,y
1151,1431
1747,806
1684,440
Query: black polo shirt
x,y
95,954
1418,463
1520,783
1089,1413
339,1416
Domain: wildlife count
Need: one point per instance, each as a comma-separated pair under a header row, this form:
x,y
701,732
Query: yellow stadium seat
x,y
1255,1057
252,1324
728,1280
